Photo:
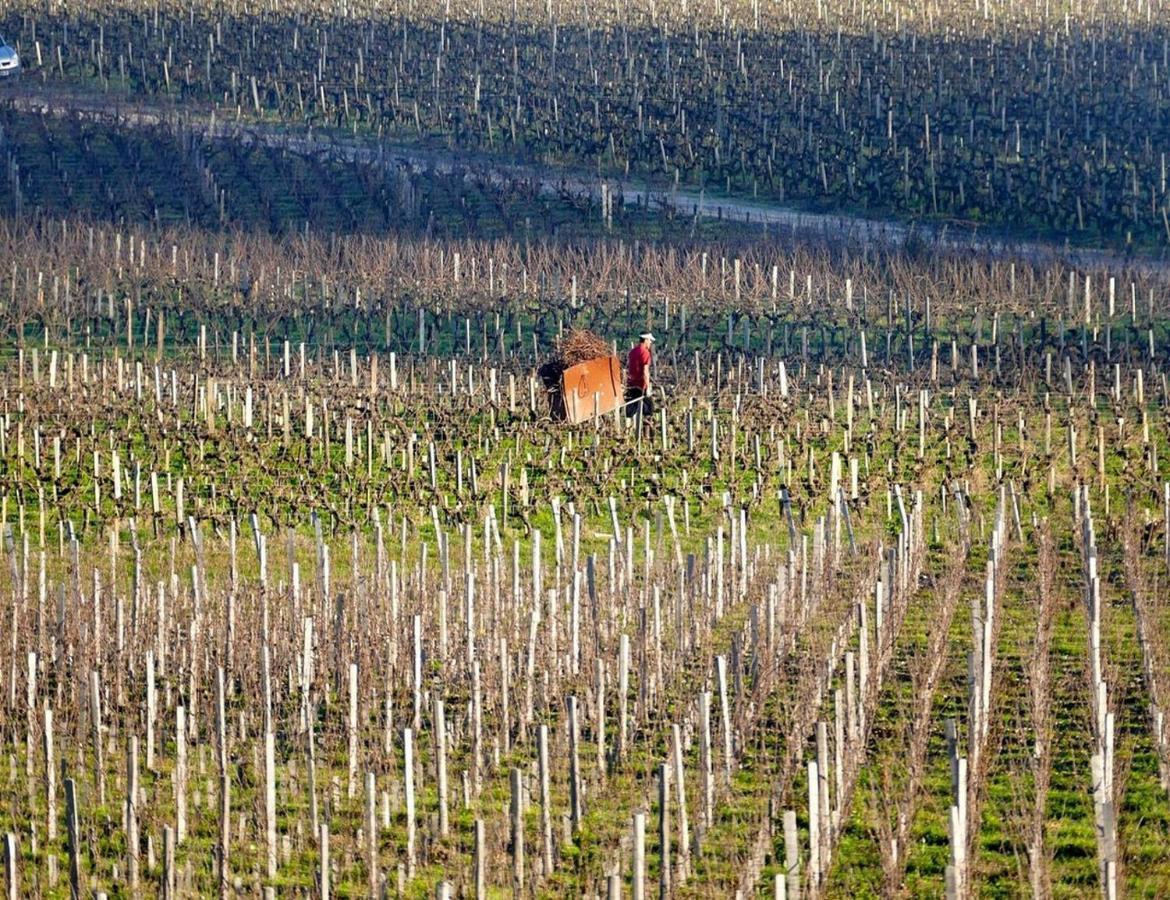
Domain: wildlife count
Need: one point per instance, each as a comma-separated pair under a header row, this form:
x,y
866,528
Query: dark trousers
x,y
638,403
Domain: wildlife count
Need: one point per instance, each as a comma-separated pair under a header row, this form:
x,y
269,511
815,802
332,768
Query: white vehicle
x,y
9,61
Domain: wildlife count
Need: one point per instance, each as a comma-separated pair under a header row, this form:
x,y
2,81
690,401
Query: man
x,y
638,400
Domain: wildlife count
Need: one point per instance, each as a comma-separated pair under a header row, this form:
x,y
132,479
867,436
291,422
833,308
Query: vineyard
x,y
1042,118
306,590
171,176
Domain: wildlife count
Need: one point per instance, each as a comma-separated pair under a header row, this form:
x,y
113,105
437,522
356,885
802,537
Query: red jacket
x,y
636,366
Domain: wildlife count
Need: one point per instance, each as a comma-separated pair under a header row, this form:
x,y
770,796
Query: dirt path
x,y
889,233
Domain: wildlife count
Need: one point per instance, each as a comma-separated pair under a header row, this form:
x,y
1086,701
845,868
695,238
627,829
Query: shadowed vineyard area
x,y
1038,117
308,588
164,176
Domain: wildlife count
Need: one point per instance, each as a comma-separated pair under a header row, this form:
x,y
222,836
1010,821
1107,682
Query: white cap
x,y
647,336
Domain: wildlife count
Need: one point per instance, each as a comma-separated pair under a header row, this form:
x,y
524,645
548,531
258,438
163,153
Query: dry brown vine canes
x,y
709,754
410,256
968,771
812,680
818,786
1152,652
1040,711
892,593
553,619
925,674
1105,800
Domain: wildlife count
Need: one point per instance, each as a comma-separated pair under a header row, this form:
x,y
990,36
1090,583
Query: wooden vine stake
x,y
517,819
168,874
225,803
71,813
408,776
639,868
11,875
